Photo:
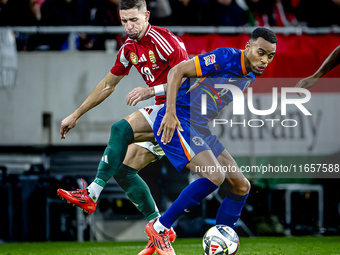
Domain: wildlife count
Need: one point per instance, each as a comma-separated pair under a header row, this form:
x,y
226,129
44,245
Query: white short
x,y
150,114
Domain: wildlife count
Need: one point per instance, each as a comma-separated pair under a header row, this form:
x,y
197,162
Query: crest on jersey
x,y
133,58
210,59
152,56
198,141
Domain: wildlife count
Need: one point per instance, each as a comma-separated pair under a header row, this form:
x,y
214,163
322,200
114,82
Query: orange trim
x,y
244,70
198,66
186,152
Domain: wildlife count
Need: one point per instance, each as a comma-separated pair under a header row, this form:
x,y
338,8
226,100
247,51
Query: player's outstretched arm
x,y
170,121
332,61
103,89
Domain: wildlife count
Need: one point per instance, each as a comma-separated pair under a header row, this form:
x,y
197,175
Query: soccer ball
x,y
220,240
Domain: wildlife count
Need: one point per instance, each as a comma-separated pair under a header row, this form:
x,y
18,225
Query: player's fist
x,y
67,124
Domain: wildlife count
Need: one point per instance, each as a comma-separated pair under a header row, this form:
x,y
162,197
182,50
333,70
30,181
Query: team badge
x,y
152,56
133,58
198,141
210,59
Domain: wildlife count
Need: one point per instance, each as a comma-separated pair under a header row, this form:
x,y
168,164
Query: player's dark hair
x,y
131,4
265,33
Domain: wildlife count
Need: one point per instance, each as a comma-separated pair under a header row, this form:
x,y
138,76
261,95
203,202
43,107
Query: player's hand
x,y
139,94
306,83
169,124
67,124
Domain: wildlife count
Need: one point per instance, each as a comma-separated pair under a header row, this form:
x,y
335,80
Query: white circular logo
x,y
198,141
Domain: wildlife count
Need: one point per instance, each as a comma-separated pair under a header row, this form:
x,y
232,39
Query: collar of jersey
x,y
243,64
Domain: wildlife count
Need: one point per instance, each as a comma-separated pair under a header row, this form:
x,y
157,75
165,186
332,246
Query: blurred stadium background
x,y
48,68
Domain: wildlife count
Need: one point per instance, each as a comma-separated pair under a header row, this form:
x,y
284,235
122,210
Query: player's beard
x,y
134,36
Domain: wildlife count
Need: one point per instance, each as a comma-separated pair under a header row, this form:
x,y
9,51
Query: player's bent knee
x,y
117,127
242,187
246,187
120,131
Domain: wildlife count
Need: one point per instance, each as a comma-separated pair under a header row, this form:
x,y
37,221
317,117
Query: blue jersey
x,y
221,66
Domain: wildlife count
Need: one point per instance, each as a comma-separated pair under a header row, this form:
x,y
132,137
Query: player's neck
x,y
246,62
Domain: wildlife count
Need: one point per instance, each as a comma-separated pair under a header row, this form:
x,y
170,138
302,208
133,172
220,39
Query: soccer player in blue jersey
x,y
183,133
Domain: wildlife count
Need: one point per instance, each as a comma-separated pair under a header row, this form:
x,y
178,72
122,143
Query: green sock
x,y
114,154
137,190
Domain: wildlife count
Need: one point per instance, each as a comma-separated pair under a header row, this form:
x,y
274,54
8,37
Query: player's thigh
x,y
142,121
206,165
235,181
140,126
138,157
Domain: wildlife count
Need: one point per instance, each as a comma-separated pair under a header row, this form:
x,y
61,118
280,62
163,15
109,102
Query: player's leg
x,y
137,127
190,197
137,157
122,134
237,185
238,188
134,186
140,123
180,152
133,128
196,191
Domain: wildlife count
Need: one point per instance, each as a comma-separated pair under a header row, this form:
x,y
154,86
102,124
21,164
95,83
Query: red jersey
x,y
154,55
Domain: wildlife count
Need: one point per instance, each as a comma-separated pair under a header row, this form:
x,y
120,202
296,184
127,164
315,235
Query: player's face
x,y
259,54
135,22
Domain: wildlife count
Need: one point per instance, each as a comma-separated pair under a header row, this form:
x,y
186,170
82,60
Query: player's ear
x,y
147,16
248,46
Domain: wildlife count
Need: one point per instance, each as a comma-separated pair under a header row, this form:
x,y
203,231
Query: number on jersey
x,y
147,72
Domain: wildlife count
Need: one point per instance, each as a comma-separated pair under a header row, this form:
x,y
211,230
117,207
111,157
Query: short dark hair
x,y
265,33
131,4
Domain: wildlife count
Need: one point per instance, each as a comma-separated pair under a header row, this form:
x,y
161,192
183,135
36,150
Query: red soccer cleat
x,y
150,248
160,240
79,198
172,235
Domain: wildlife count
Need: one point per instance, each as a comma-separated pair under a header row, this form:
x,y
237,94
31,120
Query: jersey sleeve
x,y
122,65
179,54
169,47
214,62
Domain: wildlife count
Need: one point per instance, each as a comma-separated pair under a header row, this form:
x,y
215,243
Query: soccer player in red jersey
x,y
153,51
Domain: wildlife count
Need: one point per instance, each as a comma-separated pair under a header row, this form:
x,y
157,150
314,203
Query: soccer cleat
x,y
79,198
160,240
150,248
172,235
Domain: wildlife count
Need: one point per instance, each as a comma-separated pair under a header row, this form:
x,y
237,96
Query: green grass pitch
x,y
248,246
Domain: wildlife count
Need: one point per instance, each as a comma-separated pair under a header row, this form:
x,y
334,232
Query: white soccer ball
x,y
220,240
